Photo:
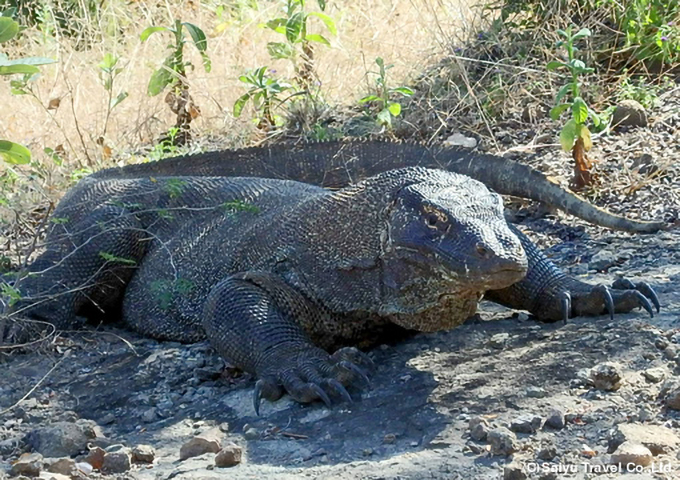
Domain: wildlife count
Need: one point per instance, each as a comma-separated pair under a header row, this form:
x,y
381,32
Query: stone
x,y
629,113
499,340
28,464
514,471
535,392
61,439
229,456
207,442
602,260
671,397
64,466
656,438
606,376
502,441
526,423
95,457
547,453
150,415
117,462
556,419
143,454
458,139
389,439
631,452
53,476
479,428
654,375
251,434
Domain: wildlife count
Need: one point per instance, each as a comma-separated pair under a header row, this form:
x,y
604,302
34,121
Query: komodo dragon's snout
x,y
436,231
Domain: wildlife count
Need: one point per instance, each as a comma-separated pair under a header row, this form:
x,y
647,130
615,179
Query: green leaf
x,y
119,98
394,108
563,91
150,31
369,98
198,36
555,112
108,62
4,61
584,32
554,65
280,50
405,91
207,65
160,79
20,68
384,118
294,27
597,120
109,257
277,24
584,133
328,21
14,153
314,37
568,135
8,29
579,110
240,103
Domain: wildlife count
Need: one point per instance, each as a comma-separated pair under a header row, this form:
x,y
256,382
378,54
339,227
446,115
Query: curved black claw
x,y
645,303
642,287
354,355
257,396
565,305
359,372
607,299
340,389
320,393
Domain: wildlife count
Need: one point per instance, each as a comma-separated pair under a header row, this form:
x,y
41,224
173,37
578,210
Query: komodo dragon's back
x,y
336,164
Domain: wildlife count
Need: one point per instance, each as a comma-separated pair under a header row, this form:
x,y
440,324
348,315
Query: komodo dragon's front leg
x,y
552,295
258,322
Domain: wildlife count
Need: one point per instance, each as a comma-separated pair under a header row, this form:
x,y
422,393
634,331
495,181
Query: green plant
x,y
264,93
298,41
12,152
108,75
575,135
386,108
651,28
172,73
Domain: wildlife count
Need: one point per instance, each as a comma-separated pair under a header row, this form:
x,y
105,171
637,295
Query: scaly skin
x,y
337,164
276,274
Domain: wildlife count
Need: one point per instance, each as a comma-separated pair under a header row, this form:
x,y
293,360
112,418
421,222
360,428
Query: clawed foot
x,y
314,375
580,299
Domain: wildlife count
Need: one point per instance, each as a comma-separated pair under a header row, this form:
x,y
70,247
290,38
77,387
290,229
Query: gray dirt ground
x,y
413,420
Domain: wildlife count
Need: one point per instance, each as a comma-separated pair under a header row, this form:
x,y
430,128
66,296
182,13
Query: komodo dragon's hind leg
x,y
86,264
258,322
551,295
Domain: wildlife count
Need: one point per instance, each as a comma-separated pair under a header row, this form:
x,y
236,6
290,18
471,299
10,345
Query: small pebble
x,y
556,419
606,376
229,456
502,441
631,452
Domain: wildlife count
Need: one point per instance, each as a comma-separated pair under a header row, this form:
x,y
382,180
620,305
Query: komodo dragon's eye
x,y
434,218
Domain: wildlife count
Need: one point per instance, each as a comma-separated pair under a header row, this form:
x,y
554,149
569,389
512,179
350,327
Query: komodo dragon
x,y
276,273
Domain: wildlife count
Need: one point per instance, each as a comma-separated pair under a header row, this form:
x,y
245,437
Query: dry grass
x,y
407,33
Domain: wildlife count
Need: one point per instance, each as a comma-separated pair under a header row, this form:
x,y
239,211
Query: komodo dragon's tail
x,y
339,163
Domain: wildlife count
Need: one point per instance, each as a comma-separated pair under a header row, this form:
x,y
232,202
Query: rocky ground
x,y
500,397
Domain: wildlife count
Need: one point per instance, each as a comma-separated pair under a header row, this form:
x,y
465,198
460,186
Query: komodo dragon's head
x,y
446,243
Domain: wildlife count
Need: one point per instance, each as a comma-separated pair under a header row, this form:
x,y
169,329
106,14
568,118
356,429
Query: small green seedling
x,y
264,93
172,73
386,108
575,135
